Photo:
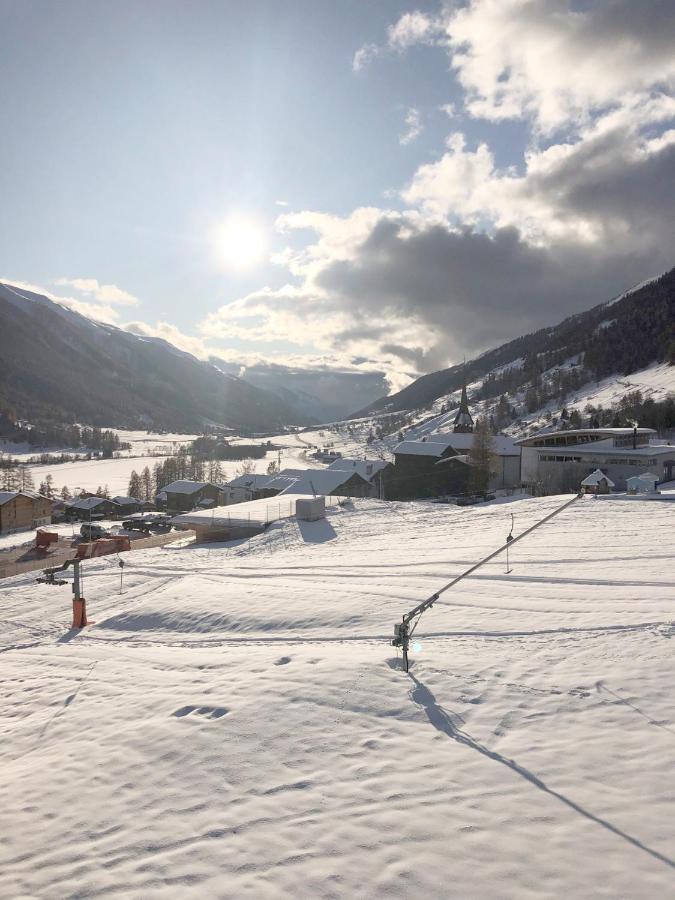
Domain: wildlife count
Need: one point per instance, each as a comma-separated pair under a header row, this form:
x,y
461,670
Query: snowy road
x,y
236,725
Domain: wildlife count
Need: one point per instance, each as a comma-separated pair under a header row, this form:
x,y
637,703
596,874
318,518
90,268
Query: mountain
x,y
620,336
58,366
326,395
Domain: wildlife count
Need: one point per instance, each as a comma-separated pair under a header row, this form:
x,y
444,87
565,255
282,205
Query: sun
x,y
240,242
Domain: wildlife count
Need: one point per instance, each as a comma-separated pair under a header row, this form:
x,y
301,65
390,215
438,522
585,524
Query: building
x,y
597,483
250,487
641,484
24,509
557,461
439,464
128,505
463,423
329,482
89,508
182,495
374,471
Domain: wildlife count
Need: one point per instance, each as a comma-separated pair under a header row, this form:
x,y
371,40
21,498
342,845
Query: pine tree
x,y
135,488
146,481
482,457
65,493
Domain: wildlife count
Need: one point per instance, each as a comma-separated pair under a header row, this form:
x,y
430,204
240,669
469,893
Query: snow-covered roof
x,y
366,468
184,487
318,481
645,477
89,502
593,433
254,512
437,444
253,481
6,496
125,501
502,444
422,448
596,477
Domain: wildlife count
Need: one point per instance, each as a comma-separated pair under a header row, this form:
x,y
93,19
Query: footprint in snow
x,y
209,712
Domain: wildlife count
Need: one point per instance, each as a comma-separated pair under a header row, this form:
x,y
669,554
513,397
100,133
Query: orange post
x,y
79,613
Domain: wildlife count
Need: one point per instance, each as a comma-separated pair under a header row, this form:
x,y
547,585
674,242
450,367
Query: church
x,y
438,463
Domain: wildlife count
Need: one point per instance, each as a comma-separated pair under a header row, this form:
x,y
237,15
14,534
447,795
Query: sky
x,y
364,186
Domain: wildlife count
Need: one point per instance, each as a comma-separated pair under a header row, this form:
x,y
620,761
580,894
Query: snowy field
x,y
235,723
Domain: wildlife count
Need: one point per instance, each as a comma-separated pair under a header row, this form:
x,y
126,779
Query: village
x,y
462,465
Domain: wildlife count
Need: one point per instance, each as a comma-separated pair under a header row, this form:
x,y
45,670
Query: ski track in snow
x,y
235,723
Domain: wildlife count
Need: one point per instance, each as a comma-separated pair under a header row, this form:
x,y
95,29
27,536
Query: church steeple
x,y
463,420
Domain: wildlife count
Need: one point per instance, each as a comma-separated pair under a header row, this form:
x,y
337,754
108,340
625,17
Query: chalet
x,y
255,485
87,509
555,461
597,483
374,471
128,505
186,495
23,509
329,482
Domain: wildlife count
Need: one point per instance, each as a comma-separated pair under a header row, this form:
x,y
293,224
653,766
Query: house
x,y
374,471
86,509
556,461
254,485
329,482
642,484
597,483
128,505
24,509
185,495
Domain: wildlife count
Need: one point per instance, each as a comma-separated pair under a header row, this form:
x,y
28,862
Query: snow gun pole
x,y
402,630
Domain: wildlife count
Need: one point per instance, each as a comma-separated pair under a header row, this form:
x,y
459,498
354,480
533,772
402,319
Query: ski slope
x,y
235,723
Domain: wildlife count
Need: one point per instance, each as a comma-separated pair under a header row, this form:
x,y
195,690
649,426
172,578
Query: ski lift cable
x,y
402,630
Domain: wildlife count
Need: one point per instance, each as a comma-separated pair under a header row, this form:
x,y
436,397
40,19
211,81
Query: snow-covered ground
x,y
235,723
89,474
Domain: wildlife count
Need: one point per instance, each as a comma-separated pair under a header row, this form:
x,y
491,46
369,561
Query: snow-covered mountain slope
x,y
58,366
235,723
624,335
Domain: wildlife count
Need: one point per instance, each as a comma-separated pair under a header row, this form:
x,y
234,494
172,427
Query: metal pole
x,y
403,632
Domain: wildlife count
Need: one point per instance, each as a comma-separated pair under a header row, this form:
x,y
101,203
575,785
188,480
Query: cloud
x,y
550,61
97,311
412,28
172,335
606,186
414,127
103,293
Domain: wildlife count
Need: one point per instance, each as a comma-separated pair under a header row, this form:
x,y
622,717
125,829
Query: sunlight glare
x,y
240,242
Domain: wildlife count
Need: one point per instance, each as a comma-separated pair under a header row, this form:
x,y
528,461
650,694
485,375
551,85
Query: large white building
x,y
559,460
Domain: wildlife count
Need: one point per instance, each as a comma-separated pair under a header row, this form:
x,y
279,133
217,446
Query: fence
x,y
8,570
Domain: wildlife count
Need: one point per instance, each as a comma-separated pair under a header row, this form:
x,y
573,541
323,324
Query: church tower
x,y
463,420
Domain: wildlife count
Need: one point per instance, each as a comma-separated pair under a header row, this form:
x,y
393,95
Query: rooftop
x,y
255,513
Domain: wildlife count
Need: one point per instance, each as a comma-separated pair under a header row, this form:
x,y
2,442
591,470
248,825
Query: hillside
x,y
235,723
58,366
618,337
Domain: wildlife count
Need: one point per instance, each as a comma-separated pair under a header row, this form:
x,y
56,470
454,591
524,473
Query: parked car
x,y
92,532
147,522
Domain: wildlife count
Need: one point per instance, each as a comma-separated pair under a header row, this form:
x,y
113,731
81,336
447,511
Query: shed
x,y
597,483
641,484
